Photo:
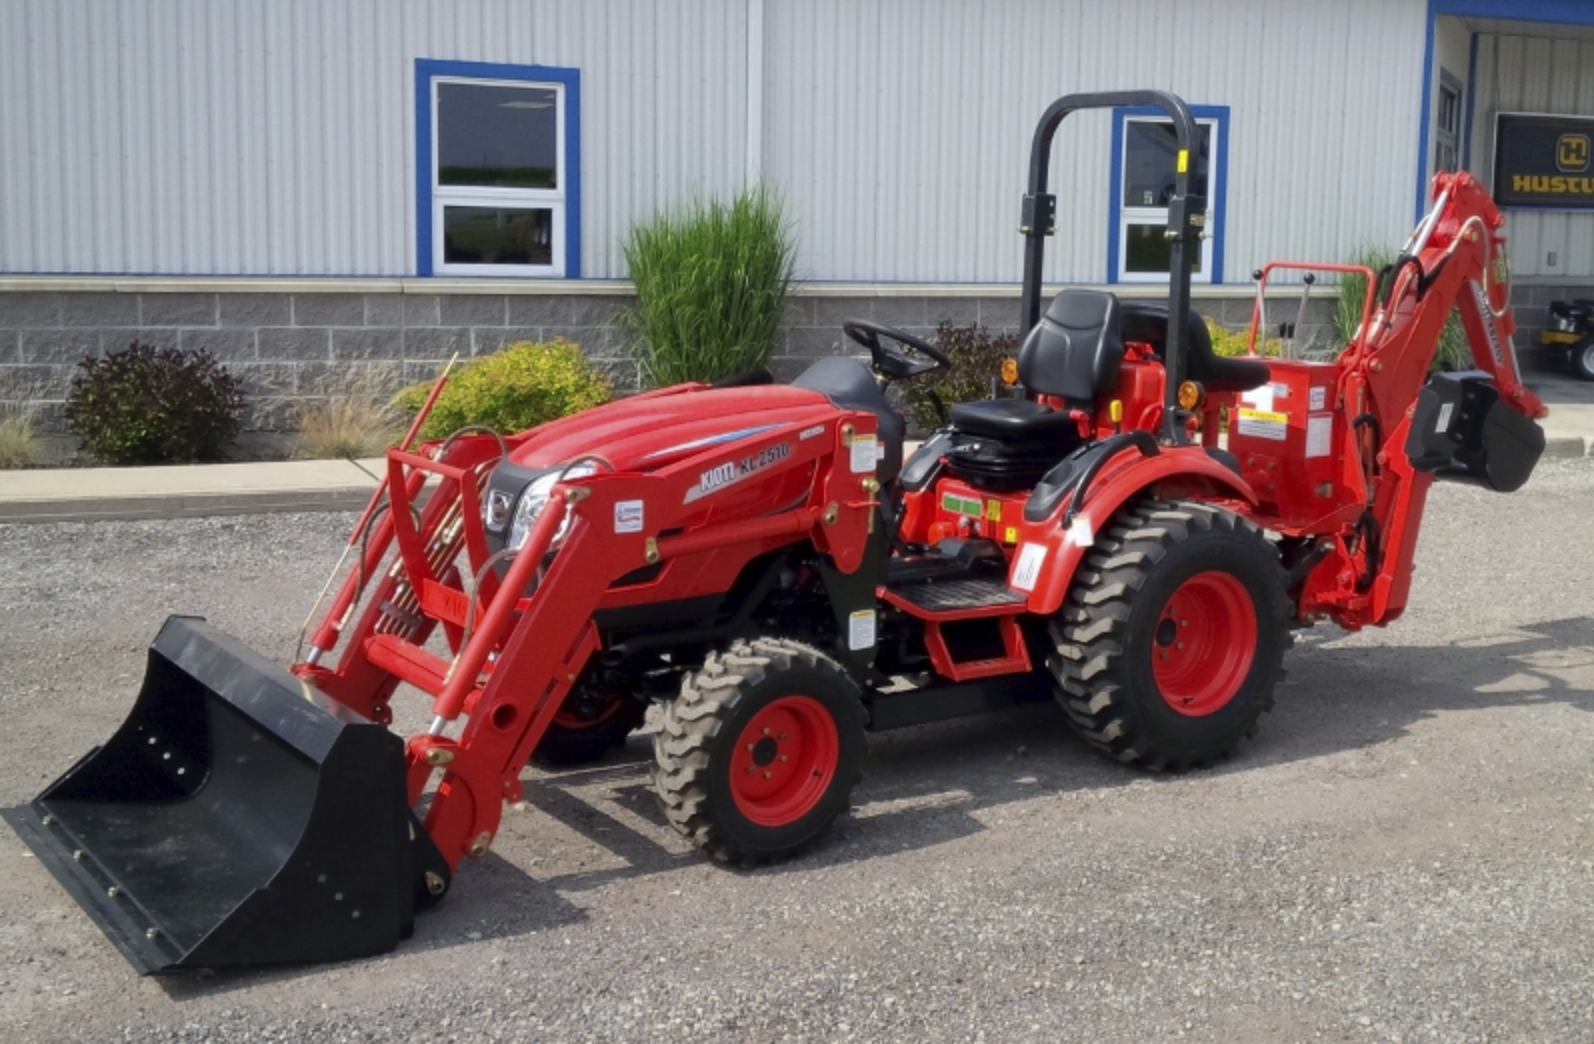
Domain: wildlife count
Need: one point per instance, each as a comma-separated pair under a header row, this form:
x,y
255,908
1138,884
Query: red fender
x,y
1045,567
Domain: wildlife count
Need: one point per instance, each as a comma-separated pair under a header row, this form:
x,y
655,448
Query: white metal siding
x,y
277,137
1536,74
902,128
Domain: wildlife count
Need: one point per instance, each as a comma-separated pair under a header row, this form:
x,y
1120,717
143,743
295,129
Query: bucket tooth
x,y
237,817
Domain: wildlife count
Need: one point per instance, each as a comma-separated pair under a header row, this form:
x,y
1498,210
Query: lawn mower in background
x,y
1136,536
1569,327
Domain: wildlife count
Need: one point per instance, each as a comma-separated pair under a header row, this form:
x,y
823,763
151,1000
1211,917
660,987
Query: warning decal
x,y
1264,424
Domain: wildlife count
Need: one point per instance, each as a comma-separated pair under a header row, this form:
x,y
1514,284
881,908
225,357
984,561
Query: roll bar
x,y
1186,214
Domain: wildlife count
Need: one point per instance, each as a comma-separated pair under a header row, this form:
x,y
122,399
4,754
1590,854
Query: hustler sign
x,y
1544,161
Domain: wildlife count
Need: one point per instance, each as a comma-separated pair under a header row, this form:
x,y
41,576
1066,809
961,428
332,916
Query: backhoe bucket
x,y
237,817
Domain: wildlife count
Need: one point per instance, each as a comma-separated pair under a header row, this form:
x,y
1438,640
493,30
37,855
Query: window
x,y
1447,125
1144,151
498,170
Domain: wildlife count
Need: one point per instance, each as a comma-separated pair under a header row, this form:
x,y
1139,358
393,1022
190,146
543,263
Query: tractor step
x,y
931,599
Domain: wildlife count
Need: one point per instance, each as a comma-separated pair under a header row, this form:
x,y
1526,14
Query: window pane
x,y
497,236
496,136
1148,249
1149,150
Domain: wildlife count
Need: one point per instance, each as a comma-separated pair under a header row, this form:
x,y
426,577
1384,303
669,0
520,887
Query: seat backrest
x,y
1075,350
1147,322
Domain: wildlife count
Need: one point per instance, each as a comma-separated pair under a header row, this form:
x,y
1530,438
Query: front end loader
x,y
1135,533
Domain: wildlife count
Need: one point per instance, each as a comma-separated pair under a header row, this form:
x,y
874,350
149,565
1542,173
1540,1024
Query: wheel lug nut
x,y
766,775
766,732
1178,645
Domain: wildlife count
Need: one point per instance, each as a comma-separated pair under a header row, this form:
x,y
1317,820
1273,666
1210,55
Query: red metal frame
x,y
723,477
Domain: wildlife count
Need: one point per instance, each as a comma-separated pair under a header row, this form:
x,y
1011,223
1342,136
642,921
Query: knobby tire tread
x,y
692,721
1090,634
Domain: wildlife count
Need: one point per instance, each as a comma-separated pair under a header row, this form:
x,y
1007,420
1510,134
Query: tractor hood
x,y
648,432
641,434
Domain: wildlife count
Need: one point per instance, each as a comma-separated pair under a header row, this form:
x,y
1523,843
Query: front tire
x,y
760,751
1173,636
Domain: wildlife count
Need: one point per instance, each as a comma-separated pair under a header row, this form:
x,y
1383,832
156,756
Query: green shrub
x,y
520,387
977,357
711,288
1227,342
146,405
1453,351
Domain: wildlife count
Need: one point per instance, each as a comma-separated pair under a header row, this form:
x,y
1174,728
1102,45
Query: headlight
x,y
535,497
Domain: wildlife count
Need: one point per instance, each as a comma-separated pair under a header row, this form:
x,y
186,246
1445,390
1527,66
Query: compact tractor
x,y
1136,533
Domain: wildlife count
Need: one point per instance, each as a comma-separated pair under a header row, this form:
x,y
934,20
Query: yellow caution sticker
x,y
993,510
1264,424
1010,535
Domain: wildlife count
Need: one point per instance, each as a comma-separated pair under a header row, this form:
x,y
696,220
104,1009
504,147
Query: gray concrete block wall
x,y
292,347
288,348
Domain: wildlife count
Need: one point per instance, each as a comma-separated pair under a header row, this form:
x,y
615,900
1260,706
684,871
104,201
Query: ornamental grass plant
x,y
355,422
19,436
1453,352
711,284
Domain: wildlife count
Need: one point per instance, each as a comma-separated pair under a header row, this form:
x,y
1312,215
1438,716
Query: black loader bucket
x,y
237,817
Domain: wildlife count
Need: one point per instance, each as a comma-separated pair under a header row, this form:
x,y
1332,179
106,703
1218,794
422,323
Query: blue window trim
x,y
429,69
1565,12
1219,115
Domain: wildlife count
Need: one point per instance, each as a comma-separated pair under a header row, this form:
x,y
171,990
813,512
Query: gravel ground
x,y
1403,854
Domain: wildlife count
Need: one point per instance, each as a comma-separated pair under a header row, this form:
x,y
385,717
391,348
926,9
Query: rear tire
x,y
1173,636
1583,358
760,751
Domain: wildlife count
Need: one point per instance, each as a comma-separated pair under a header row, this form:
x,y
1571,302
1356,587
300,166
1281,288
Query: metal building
x,y
466,156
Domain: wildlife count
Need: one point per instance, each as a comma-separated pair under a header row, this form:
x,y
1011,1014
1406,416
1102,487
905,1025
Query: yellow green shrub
x,y
520,387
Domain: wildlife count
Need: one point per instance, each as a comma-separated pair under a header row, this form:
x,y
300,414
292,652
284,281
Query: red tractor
x,y
1136,534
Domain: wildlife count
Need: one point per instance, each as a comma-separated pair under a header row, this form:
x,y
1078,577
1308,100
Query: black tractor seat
x,y
1147,322
1073,354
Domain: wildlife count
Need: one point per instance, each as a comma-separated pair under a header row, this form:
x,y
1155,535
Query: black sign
x,y
1544,161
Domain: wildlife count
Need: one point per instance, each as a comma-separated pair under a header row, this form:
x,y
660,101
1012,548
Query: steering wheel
x,y
891,363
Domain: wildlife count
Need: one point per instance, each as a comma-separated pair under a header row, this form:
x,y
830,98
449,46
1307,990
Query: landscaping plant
x,y
977,356
711,287
359,421
520,387
147,405
1454,353
18,436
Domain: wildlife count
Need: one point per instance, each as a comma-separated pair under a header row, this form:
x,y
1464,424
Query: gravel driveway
x,y
1405,853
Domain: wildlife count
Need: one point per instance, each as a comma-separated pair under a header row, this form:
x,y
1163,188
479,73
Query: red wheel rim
x,y
784,761
1204,644
568,719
